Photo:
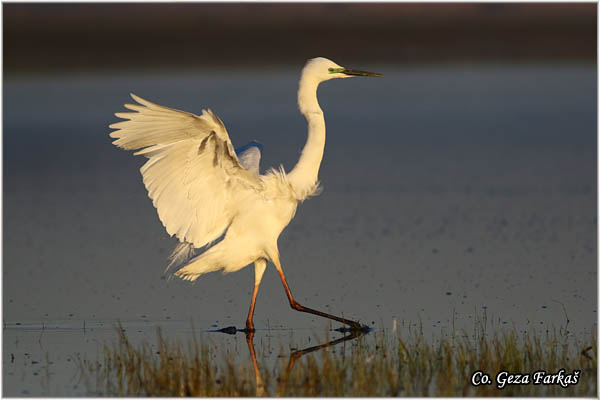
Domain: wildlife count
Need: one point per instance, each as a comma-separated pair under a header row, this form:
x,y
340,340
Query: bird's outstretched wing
x,y
193,176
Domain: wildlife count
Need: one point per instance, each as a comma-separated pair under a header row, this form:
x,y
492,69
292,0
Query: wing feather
x,y
192,175
250,159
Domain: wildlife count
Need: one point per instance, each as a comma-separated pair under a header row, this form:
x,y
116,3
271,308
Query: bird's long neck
x,y
304,175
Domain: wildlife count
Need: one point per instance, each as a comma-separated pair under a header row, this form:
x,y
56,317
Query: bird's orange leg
x,y
297,306
259,269
249,322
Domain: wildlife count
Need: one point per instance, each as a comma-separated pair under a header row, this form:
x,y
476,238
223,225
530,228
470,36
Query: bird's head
x,y
323,69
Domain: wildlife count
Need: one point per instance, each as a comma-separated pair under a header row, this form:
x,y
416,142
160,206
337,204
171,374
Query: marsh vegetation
x,y
381,363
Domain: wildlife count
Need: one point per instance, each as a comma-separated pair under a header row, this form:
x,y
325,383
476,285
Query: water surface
x,y
448,192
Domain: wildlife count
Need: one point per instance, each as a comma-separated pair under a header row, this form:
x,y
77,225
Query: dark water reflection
x,y
261,389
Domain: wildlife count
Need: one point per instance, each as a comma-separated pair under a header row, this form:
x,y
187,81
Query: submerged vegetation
x,y
377,364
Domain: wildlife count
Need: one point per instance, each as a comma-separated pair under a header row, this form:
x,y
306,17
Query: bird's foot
x,y
230,330
354,327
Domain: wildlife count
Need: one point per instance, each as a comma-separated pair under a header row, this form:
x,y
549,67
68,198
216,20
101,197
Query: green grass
x,y
377,364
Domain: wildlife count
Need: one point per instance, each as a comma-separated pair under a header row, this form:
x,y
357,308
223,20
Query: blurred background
x,y
461,184
75,37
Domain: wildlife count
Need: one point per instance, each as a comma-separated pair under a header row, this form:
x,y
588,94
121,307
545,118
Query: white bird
x,y
204,191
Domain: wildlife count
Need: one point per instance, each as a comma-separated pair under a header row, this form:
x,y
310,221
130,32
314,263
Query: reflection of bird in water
x,y
204,191
261,390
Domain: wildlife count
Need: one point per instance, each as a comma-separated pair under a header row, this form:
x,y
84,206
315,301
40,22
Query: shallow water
x,y
448,192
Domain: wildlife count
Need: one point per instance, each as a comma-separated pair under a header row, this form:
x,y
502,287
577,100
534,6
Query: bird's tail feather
x,y
208,261
180,255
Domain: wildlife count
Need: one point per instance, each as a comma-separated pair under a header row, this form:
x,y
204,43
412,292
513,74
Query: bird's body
x,y
202,190
261,217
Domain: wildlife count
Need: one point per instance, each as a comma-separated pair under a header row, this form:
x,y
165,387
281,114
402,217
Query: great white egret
x,y
204,191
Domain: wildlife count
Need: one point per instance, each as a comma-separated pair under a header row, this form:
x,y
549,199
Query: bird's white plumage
x,y
193,175
201,189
